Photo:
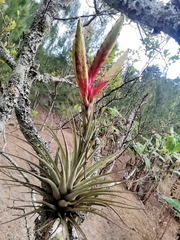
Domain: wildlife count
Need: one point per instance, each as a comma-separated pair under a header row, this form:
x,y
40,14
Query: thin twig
x,y
6,57
26,221
23,175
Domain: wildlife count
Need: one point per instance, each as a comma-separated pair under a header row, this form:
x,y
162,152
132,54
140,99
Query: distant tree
x,y
161,110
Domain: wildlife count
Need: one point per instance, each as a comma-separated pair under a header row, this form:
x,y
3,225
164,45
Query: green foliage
x,y
113,112
155,45
175,203
165,148
20,14
162,103
15,20
164,98
33,113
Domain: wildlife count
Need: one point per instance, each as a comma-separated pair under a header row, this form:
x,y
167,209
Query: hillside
x,y
153,221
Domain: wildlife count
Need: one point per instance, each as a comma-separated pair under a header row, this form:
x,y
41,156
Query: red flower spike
x,y
115,68
84,79
105,50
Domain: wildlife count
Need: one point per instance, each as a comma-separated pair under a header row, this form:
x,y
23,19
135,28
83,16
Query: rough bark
x,y
152,13
72,232
6,57
19,78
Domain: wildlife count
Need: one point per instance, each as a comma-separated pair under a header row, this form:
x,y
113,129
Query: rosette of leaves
x,y
68,186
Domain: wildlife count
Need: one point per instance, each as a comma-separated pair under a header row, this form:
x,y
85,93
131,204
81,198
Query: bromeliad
x,y
70,186
85,78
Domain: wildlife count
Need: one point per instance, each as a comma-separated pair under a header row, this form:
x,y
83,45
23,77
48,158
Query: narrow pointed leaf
x,y
80,161
105,50
116,67
96,166
68,164
173,202
57,157
93,184
76,225
94,211
75,144
47,204
37,210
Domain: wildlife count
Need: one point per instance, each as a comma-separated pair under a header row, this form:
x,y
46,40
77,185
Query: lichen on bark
x,y
152,13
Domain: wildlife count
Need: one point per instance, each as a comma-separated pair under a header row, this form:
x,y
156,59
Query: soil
x,y
153,221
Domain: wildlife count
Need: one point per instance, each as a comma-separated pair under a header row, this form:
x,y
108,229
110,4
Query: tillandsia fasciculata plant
x,y
68,185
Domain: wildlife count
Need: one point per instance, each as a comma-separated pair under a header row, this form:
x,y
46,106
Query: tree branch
x,y
154,14
46,77
93,16
6,57
95,6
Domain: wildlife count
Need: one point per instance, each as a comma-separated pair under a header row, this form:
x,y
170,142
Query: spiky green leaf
x,y
116,67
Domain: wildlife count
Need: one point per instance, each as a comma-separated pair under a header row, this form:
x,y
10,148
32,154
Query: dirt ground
x,y
154,221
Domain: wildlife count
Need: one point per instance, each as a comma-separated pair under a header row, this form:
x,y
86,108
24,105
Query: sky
x,y
130,39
